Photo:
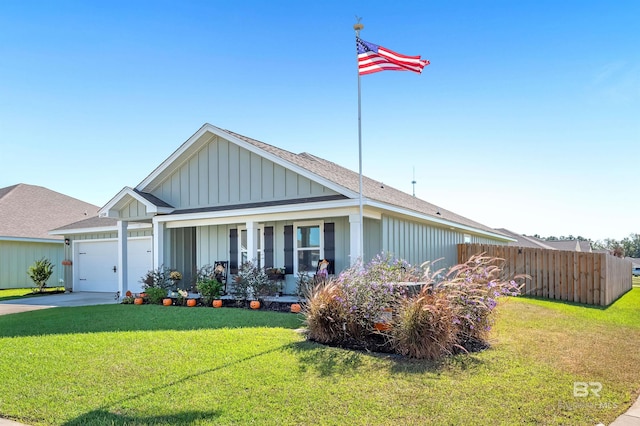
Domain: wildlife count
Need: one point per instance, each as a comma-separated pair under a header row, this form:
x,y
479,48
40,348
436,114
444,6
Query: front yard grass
x,y
134,365
18,293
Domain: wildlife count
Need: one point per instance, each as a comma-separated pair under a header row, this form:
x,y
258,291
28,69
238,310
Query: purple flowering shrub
x,y
357,297
451,312
473,288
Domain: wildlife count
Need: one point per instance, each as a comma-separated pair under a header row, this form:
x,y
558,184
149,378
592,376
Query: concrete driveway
x,y
56,300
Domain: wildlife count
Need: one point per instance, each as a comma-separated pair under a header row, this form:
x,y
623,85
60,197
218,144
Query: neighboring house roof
x,y
585,246
570,245
533,242
524,241
29,211
341,179
634,261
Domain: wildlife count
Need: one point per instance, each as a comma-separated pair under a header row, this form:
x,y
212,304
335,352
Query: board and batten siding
x,y
17,256
417,243
222,173
133,210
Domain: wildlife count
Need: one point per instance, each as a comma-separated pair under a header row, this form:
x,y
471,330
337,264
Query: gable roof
x,y
29,211
327,173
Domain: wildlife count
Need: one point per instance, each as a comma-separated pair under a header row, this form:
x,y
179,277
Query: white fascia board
x,y
127,191
32,240
249,147
442,222
131,226
267,214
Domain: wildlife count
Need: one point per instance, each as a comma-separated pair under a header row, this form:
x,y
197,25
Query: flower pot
x,y
381,326
191,302
138,301
254,304
167,302
295,308
217,303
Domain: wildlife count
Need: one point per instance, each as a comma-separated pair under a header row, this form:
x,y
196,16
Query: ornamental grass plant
x,y
451,312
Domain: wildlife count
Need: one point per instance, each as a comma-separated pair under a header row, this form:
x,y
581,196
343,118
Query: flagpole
x,y
357,27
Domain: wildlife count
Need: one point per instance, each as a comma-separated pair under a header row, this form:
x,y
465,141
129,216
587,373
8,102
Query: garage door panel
x,y
96,260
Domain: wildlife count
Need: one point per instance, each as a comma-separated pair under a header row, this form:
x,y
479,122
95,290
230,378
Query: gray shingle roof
x,y
372,189
92,222
524,241
29,211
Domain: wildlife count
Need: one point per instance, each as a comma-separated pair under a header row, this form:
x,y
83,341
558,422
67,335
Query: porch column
x,y
122,266
252,243
158,244
354,238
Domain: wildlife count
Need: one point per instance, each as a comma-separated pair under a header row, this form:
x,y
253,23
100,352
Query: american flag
x,y
373,58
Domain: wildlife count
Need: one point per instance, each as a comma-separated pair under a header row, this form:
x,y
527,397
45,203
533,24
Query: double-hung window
x,y
308,246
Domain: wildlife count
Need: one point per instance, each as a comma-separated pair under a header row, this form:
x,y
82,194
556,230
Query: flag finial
x,y
358,26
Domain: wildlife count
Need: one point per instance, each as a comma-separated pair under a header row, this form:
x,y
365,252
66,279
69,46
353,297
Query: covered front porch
x,y
292,238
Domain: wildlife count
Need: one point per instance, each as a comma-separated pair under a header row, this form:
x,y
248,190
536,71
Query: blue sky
x,y
527,117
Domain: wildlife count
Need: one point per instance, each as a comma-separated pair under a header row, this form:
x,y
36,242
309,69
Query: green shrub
x,y
158,278
155,295
40,272
210,289
252,282
128,300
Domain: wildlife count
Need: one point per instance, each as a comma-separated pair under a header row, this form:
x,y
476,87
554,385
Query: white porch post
x,y
158,243
355,237
122,266
252,243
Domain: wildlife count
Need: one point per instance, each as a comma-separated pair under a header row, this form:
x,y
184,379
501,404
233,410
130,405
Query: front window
x,y
309,246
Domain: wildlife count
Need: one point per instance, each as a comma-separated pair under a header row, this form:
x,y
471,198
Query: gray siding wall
x,y
17,256
134,209
417,243
372,238
222,173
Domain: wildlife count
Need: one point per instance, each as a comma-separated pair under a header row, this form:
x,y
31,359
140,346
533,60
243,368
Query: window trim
x,y
296,225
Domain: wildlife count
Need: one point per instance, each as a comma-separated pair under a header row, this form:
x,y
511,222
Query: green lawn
x,y
134,365
17,293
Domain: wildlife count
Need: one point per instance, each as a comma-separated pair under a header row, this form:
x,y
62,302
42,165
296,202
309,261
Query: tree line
x,y
627,247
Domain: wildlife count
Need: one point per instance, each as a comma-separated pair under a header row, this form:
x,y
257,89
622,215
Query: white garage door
x,y
97,264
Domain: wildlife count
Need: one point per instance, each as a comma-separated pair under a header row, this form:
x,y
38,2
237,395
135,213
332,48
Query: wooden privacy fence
x,y
591,278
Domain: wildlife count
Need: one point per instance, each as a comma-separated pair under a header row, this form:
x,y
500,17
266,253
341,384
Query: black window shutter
x,y
330,245
233,251
268,247
288,249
